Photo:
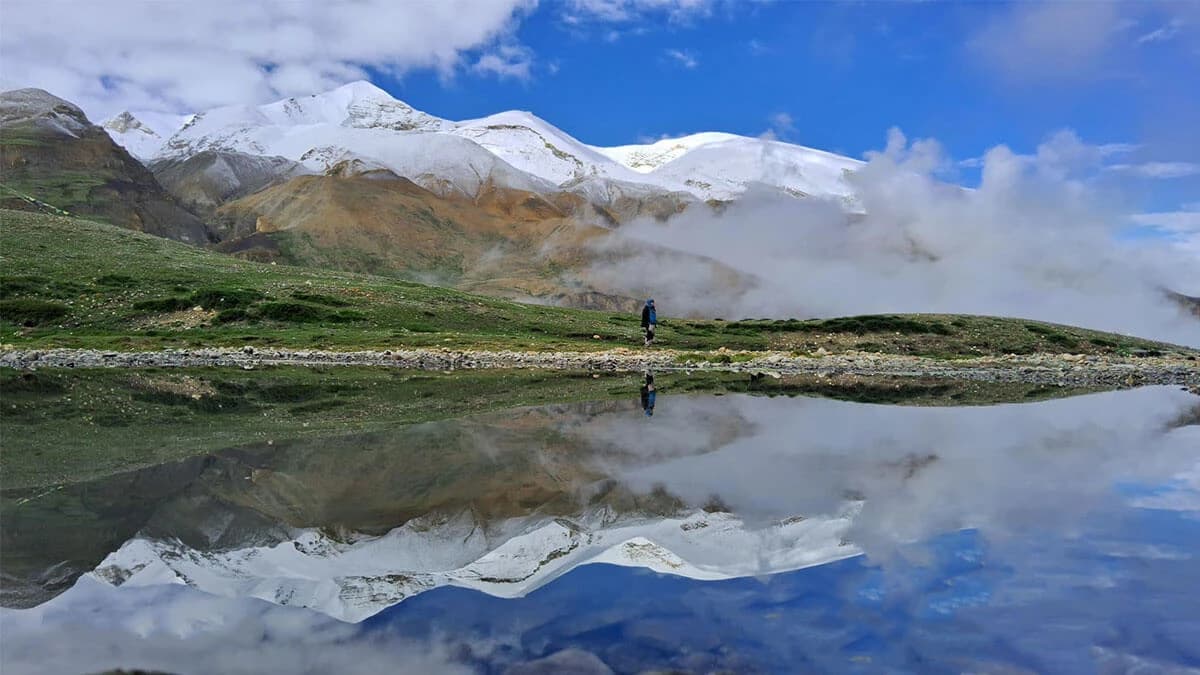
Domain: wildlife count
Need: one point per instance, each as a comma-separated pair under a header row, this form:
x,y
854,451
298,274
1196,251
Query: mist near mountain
x,y
172,628
1037,239
1004,470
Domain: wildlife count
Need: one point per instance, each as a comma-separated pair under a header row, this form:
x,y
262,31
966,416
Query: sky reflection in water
x,y
1047,537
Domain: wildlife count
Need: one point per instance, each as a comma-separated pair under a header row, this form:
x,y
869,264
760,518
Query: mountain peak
x,y
356,104
125,121
31,105
361,89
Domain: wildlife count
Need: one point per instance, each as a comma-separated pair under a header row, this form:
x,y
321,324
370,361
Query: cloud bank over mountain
x,y
1036,239
174,56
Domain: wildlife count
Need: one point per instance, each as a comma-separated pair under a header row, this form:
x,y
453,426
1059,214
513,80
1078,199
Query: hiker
x,y
648,394
649,320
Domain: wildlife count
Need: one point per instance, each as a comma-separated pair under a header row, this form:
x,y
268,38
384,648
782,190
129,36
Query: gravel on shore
x,y
1062,369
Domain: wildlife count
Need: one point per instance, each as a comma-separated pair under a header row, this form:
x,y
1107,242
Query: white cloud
x,y
179,56
805,457
684,57
1159,169
175,629
1059,41
1065,150
782,122
625,11
507,60
1171,221
1039,41
781,126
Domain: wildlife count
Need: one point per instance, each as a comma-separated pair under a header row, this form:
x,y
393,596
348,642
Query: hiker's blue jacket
x,y
649,316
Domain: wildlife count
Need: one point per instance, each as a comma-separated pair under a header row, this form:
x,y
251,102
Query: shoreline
x,y
1061,369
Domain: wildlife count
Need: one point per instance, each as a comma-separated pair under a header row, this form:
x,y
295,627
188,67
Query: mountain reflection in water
x,y
1058,536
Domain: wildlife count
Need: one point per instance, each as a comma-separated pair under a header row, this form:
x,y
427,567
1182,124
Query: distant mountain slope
x,y
50,151
211,178
1188,302
500,241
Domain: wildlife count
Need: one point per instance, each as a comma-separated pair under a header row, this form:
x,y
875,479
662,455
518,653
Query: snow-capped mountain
x,y
358,105
537,147
512,149
648,157
143,134
358,120
726,169
356,577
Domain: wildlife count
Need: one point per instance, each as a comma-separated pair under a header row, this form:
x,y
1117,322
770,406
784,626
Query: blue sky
x,y
843,73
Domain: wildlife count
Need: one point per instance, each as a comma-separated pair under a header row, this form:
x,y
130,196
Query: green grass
x,y
32,312
49,258
124,290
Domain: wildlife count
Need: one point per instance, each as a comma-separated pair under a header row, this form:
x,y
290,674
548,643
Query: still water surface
x,y
722,532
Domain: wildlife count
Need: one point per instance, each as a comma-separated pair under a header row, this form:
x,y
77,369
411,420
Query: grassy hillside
x,y
66,282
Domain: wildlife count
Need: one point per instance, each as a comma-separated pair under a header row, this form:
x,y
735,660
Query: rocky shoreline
x,y
1061,369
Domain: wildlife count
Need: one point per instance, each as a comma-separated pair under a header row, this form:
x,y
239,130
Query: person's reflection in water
x,y
648,394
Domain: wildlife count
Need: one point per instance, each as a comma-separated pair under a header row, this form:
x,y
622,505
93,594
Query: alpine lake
x,y
313,520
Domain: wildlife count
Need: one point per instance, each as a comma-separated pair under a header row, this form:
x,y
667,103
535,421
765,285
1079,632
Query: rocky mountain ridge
x,y
51,152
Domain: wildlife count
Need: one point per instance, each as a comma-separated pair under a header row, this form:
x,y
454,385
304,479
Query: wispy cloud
x,y
578,12
1064,148
1171,221
513,61
684,57
1181,227
1158,169
1046,41
1063,41
781,126
1162,33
